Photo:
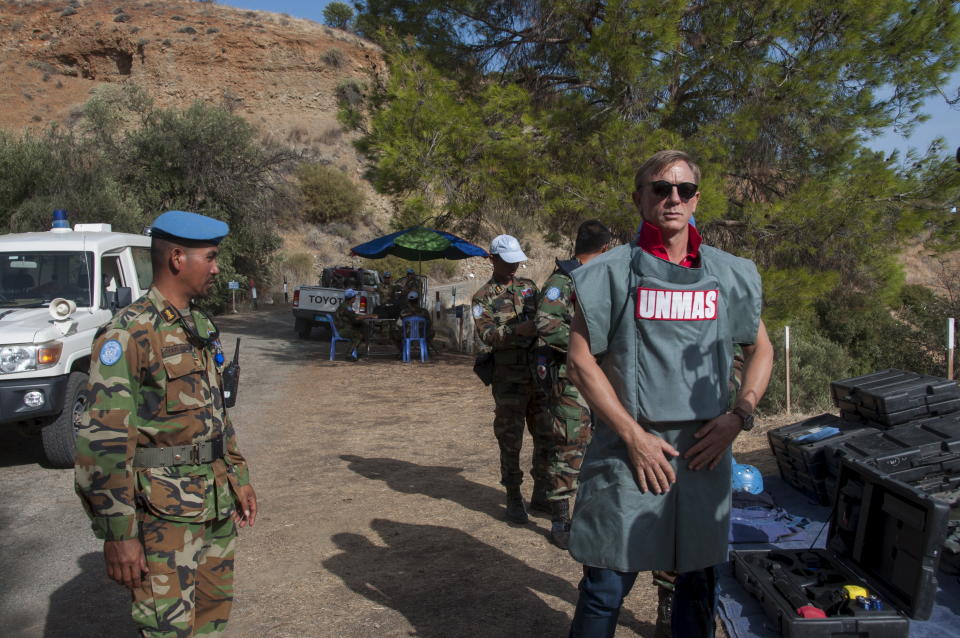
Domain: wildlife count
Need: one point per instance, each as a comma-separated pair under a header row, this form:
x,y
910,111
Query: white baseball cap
x,y
508,248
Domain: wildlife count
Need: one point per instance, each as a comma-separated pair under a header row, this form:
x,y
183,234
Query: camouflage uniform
x,y
350,326
497,309
155,385
571,416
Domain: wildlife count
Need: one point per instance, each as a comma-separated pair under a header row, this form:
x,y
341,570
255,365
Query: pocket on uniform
x,y
159,604
167,494
185,386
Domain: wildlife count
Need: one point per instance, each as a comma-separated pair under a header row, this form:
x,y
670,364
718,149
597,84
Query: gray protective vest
x,y
665,336
666,332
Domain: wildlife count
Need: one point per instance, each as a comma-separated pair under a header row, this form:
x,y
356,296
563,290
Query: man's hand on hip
x,y
125,561
648,454
246,513
714,439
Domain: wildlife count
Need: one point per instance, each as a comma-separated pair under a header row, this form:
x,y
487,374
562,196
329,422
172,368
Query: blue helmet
x,y
747,478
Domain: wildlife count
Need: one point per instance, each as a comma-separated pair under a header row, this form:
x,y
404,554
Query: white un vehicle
x,y
57,288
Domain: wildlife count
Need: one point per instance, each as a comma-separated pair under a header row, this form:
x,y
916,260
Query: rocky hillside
x,y
278,72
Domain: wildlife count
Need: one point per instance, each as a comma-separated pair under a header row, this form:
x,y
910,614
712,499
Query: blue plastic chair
x,y
334,335
414,329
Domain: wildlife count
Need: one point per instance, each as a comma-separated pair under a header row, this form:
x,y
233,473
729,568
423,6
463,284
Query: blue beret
x,y
349,293
178,224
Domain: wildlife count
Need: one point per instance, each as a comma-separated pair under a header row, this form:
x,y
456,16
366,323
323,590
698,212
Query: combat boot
x,y
560,527
516,512
538,501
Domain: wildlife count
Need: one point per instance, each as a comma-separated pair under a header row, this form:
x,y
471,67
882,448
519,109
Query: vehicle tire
x,y
302,326
60,434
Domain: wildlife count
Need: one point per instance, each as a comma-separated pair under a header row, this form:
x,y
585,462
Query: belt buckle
x,y
195,454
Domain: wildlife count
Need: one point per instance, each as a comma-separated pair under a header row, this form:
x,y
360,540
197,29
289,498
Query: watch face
x,y
748,422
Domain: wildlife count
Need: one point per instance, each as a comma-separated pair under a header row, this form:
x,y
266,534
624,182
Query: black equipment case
x,y
801,451
884,536
902,446
890,397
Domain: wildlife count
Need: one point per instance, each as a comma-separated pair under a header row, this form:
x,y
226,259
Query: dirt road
x,y
381,512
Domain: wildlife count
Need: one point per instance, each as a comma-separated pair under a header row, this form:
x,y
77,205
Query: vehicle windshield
x,y
34,279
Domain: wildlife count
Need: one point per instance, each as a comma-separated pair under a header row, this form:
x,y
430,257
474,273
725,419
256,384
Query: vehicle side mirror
x,y
124,297
117,299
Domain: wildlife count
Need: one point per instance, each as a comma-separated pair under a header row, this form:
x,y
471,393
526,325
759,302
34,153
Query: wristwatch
x,y
746,417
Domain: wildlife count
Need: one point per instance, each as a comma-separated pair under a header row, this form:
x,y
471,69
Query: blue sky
x,y
944,121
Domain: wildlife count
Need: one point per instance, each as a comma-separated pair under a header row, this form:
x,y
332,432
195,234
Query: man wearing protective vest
x,y
651,346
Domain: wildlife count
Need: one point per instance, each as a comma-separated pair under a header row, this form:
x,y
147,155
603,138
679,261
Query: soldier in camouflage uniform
x,y
158,468
386,289
351,325
503,310
412,309
571,416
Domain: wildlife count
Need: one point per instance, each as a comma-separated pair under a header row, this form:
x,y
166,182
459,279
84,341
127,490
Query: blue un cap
x,y
349,293
178,224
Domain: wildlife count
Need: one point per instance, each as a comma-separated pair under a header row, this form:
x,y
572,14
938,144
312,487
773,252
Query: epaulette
x,y
131,312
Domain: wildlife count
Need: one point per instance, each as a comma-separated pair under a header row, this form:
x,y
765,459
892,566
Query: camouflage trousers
x,y
358,334
570,435
189,590
516,404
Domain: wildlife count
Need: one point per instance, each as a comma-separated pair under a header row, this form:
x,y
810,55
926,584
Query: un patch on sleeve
x,y
477,311
553,293
111,352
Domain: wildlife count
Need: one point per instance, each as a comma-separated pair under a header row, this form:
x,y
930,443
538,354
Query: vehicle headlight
x,y
18,358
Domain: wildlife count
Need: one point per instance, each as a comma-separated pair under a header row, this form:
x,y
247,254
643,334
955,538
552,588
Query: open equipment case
x,y
884,536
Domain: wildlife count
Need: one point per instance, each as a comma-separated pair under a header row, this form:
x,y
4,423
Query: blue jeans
x,y
602,592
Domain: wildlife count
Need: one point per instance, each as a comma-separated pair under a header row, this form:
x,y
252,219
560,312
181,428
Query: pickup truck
x,y
57,288
312,303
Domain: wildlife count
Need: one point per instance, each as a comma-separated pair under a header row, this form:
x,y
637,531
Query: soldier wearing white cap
x,y
503,310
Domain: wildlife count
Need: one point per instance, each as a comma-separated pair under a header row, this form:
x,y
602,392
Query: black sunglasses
x,y
662,188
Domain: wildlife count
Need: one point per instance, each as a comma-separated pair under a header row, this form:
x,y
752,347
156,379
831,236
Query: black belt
x,y
196,454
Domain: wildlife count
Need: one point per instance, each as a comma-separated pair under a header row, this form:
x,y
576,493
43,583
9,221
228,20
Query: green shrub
x,y
349,93
334,57
815,361
328,195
